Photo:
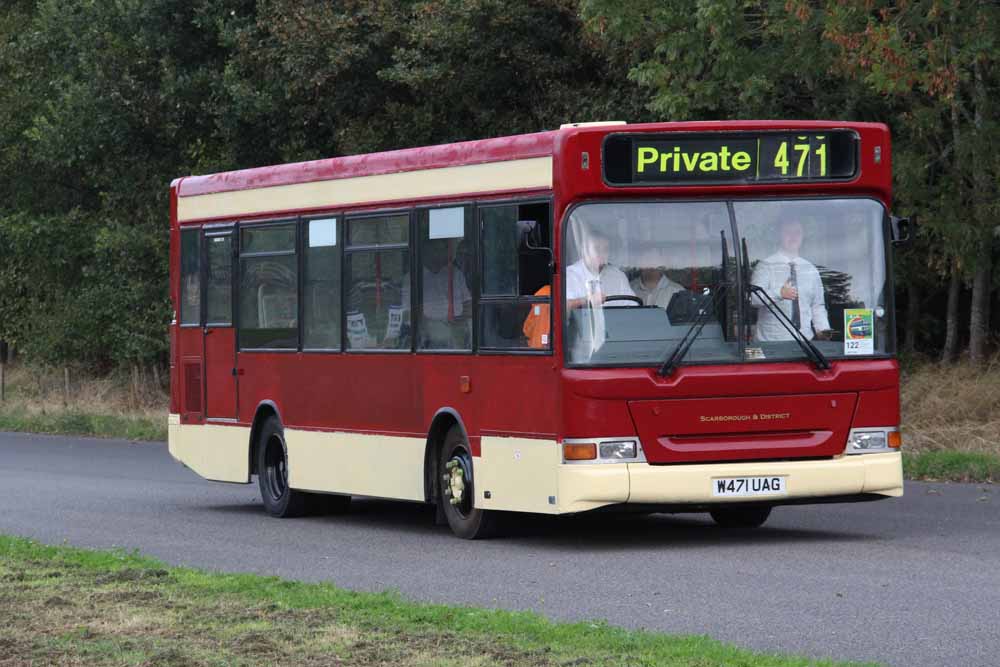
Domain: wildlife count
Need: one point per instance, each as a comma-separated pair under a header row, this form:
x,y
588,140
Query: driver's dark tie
x,y
793,281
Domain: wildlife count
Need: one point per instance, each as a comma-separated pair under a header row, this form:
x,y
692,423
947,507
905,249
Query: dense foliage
x,y
102,104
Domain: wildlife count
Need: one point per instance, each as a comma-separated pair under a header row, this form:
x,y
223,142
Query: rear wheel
x,y
272,474
457,495
741,517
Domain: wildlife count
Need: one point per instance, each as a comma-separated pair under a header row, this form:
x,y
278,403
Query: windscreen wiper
x,y
807,345
670,365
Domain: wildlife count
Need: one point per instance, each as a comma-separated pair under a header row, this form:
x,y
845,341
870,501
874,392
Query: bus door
x,y
219,332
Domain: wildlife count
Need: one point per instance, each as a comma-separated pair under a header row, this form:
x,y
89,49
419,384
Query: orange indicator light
x,y
895,439
580,451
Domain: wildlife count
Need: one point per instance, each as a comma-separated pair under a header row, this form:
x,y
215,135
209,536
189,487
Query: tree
x,y
936,58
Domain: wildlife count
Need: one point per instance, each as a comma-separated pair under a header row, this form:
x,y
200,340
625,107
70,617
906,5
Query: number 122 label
x,y
859,331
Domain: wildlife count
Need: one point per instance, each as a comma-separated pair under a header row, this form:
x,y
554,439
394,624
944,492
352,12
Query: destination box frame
x,y
851,134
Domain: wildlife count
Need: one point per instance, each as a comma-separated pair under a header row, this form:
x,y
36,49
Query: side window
x,y
516,277
190,276
268,288
444,316
377,256
321,285
219,278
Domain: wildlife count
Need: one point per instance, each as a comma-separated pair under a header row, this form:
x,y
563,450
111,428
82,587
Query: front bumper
x,y
587,487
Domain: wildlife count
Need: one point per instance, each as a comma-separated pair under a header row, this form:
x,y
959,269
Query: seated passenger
x,y
591,279
446,311
652,284
536,324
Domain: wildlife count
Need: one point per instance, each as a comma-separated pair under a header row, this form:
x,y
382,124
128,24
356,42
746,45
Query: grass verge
x,y
78,402
130,427
67,606
952,466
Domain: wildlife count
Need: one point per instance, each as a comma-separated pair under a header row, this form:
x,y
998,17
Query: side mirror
x,y
902,229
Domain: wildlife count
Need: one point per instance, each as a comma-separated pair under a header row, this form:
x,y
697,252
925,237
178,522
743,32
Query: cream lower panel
x,y
524,174
520,474
883,473
585,487
804,479
216,452
354,463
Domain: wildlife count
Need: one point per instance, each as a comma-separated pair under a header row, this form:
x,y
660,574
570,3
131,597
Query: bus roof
x,y
517,147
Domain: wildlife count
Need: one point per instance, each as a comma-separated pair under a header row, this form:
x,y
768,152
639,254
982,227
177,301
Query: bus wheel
x,y
272,474
458,490
741,517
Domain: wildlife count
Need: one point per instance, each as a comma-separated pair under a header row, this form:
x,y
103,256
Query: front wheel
x,y
457,494
741,517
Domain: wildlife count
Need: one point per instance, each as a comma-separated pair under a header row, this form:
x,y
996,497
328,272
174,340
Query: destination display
x,y
704,158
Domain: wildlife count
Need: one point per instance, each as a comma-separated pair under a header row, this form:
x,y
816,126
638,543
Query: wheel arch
x,y
441,423
265,409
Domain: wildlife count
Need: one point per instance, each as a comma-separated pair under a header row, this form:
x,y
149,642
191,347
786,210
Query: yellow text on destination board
x,y
678,161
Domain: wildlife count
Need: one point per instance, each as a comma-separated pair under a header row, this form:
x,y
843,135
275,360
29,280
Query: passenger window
x,y
321,285
268,288
378,283
444,318
500,241
190,276
268,239
516,286
219,279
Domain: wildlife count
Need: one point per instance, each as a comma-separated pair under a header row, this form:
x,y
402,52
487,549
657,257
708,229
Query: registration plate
x,y
749,486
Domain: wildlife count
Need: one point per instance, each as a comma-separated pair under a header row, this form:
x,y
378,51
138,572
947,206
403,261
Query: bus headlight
x,y
602,450
871,440
618,449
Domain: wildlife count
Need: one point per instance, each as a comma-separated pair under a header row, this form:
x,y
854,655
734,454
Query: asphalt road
x,y
914,581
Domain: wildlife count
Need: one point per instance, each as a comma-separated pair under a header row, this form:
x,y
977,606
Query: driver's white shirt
x,y
772,274
612,282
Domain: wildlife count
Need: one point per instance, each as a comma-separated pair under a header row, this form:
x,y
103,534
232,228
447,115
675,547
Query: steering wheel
x,y
624,297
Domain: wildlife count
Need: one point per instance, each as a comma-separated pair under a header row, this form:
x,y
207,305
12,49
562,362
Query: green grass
x,y
952,466
61,605
78,423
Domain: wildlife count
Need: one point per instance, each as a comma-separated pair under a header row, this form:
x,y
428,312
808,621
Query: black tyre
x,y
741,517
458,492
272,474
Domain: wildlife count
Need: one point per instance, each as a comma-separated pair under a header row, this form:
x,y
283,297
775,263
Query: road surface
x,y
914,581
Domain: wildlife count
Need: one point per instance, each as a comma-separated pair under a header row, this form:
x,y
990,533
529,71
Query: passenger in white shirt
x,y
794,284
652,284
443,325
591,279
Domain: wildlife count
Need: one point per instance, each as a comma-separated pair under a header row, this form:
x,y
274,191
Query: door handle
x,y
207,331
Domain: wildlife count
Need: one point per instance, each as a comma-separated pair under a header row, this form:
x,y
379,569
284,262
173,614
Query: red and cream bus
x,y
677,317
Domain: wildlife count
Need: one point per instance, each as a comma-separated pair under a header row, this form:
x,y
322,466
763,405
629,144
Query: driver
x,y
591,279
794,283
